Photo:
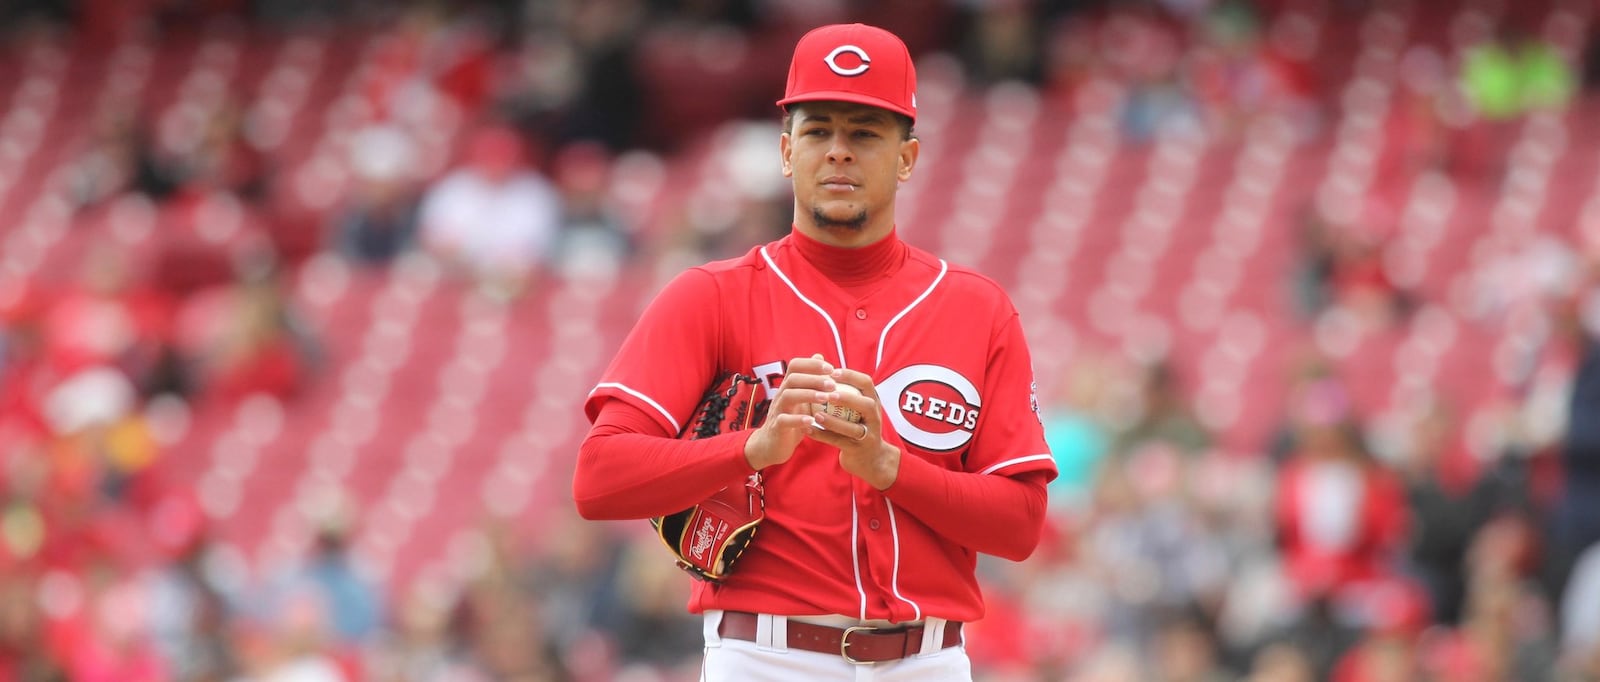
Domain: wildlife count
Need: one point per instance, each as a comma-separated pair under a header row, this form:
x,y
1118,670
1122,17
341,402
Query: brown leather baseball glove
x,y
708,538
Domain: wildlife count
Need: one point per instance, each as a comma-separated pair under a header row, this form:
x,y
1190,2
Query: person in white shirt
x,y
494,218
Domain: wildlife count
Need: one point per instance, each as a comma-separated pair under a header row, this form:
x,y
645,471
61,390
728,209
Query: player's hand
x,y
808,382
863,453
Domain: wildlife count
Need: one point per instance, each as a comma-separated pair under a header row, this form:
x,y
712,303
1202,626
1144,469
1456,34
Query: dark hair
x,y
907,126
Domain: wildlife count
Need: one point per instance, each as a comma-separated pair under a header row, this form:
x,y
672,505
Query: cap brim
x,y
852,97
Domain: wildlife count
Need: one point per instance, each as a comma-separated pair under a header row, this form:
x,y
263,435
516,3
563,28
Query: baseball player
x,y
864,566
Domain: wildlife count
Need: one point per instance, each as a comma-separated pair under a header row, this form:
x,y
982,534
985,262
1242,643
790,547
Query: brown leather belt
x,y
859,644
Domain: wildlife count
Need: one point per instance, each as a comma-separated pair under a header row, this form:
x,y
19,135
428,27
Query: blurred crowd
x,y
501,142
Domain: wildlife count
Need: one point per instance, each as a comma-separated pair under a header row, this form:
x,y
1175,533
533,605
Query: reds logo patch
x,y
937,407
837,62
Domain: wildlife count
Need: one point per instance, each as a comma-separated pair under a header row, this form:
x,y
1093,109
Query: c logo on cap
x,y
853,71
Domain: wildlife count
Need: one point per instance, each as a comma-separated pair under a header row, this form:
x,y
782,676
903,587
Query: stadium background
x,y
1309,283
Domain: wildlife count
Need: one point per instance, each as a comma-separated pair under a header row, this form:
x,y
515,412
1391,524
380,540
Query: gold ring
x,y
864,432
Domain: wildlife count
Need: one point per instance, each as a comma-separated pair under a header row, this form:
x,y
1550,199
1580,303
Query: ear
x,y
785,152
909,150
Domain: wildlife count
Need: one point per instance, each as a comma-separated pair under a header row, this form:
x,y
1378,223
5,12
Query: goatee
x,y
856,223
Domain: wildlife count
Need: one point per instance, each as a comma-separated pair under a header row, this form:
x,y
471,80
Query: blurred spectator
x,y
1443,517
501,627
1280,662
290,646
576,578
24,654
1580,620
190,608
1186,651
101,439
1232,74
1111,664
575,72
1582,666
494,218
656,631
594,242
1342,267
1166,416
1077,428
1001,42
105,641
379,222
246,338
1144,52
1502,637
1312,271
197,150
1577,522
418,647
332,587
1341,515
117,159
224,157
111,318
1148,544
1380,657
443,49
1322,636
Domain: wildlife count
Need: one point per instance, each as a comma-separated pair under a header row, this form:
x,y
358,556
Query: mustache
x,y
856,223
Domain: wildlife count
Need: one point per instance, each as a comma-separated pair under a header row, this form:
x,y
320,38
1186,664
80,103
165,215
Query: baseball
x,y
840,411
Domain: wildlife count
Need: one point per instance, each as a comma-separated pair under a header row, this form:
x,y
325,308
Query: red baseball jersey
x,y
946,352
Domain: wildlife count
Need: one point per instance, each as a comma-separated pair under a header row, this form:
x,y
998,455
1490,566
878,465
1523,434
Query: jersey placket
x,y
877,535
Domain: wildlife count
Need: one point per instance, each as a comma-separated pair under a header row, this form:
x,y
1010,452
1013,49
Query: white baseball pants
x,y
733,660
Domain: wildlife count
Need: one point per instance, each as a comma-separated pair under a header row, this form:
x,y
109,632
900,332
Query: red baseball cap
x,y
853,63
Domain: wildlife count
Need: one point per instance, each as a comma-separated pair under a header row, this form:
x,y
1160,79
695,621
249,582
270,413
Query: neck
x,y
849,265
877,227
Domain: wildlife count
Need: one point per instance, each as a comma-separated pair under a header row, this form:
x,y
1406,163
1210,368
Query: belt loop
x,y
713,620
932,636
772,632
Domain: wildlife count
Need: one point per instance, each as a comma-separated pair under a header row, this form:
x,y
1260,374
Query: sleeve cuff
x,y
917,479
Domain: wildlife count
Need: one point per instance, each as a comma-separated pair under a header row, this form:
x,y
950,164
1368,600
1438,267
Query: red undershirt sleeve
x,y
629,468
993,514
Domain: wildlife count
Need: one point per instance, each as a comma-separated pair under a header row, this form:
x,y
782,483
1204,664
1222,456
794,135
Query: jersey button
x,y
861,313
873,524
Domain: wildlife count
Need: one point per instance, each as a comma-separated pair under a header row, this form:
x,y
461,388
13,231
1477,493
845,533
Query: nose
x,y
839,148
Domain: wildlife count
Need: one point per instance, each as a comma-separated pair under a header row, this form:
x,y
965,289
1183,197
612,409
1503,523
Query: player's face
x,y
847,161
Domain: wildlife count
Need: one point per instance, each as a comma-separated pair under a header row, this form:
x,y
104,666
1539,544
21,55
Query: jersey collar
x,y
852,266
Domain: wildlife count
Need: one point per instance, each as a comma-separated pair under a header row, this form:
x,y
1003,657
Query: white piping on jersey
x,y
1009,462
645,398
894,528
894,582
943,268
838,343
855,556
894,525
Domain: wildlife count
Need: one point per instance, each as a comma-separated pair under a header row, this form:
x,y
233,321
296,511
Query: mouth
x,y
839,183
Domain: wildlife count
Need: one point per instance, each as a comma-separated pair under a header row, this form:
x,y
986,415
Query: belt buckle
x,y
844,643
